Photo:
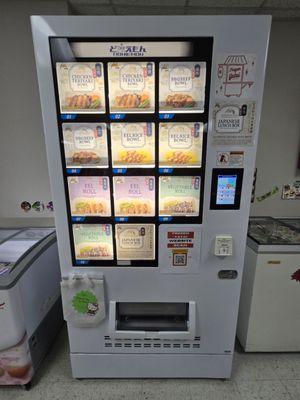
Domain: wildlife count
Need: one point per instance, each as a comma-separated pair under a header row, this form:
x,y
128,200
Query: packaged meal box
x,y
131,86
80,87
93,242
133,144
89,196
134,196
135,241
180,144
179,195
182,86
85,145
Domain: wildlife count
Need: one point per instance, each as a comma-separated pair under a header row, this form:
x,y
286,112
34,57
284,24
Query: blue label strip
x,y
119,170
166,115
117,116
78,219
72,171
166,170
165,219
68,117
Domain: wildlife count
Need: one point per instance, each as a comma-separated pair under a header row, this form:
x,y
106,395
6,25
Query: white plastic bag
x,y
83,300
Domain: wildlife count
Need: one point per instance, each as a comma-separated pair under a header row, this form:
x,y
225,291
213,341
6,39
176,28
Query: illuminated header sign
x,y
131,49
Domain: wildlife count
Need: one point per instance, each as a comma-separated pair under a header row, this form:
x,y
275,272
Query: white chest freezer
x,y
269,316
30,309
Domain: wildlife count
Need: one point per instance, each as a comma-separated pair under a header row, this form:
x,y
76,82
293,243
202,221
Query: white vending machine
x,y
151,127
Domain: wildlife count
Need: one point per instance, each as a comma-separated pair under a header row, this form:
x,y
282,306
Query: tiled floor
x,y
255,377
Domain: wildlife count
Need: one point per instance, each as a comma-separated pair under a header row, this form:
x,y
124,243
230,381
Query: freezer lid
x,y
266,234
18,252
294,222
6,233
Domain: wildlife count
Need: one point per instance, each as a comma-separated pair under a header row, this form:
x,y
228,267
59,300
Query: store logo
x,y
121,50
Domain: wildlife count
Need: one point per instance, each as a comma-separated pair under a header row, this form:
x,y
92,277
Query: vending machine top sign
x,y
151,127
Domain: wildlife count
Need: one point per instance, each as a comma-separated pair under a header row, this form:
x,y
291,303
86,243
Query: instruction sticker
x,y
230,158
235,75
180,250
234,124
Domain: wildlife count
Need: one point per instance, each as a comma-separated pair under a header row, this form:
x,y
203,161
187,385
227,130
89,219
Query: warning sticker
x,y
230,158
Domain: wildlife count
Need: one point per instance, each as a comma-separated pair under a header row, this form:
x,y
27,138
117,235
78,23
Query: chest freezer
x,y
269,306
29,300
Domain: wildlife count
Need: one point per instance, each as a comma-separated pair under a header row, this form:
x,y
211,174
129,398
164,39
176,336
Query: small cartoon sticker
x,y
50,206
291,191
38,206
296,276
85,302
230,158
25,206
235,75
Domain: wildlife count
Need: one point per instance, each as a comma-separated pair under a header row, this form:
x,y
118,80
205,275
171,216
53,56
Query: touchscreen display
x,y
226,189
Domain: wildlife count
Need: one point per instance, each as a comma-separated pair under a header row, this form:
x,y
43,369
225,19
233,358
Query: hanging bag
x,y
83,300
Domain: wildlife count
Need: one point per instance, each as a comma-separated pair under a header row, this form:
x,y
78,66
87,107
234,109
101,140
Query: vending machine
x,y
151,127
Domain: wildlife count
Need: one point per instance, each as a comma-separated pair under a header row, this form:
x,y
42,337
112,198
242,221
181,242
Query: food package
x,y
135,241
134,196
80,87
89,196
93,242
179,195
133,144
182,86
131,87
180,144
85,145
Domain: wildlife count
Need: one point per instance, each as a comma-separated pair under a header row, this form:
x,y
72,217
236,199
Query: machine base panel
x,y
151,365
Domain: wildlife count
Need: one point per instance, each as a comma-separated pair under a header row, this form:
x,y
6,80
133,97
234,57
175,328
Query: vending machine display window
x,y
131,87
133,144
135,241
132,119
182,86
134,196
89,196
226,188
93,242
81,87
179,195
180,144
85,145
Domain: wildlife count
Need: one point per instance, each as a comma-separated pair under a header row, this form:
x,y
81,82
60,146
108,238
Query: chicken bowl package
x,y
80,87
182,86
180,144
133,144
135,241
179,195
134,196
85,145
131,87
93,241
89,196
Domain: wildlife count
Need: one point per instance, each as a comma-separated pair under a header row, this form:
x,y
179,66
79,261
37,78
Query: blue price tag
x,y
165,170
165,219
166,115
121,219
68,117
119,170
82,262
72,171
117,116
78,219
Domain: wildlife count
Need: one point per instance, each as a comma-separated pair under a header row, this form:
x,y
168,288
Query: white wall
x,y
279,142
23,164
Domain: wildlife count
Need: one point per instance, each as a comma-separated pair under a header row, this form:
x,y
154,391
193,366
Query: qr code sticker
x,y
179,259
